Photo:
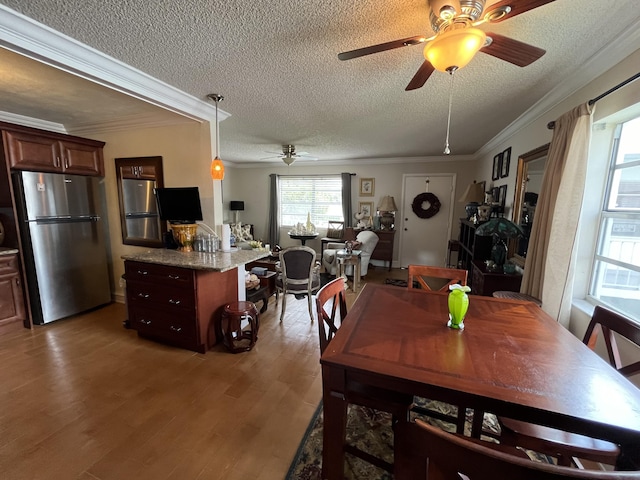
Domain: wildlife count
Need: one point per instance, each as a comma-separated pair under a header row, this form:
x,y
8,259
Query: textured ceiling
x,y
275,61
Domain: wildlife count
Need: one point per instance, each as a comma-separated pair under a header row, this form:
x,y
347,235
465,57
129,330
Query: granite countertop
x,y
219,261
10,251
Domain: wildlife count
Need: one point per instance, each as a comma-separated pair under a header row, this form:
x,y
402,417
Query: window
x,y
616,273
321,196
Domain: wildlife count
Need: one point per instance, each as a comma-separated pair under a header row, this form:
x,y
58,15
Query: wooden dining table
x,y
511,359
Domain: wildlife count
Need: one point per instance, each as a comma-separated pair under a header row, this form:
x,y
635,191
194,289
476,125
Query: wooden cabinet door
x,y
30,152
12,307
81,159
41,151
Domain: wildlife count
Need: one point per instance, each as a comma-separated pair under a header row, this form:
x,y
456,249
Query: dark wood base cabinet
x,y
384,247
485,282
12,309
178,306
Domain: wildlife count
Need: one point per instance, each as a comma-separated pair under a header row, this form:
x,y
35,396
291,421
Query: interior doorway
x,y
423,241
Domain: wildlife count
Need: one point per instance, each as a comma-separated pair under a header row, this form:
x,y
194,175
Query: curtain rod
x,y
552,124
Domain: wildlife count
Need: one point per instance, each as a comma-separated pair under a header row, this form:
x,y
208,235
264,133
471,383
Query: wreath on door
x,y
418,205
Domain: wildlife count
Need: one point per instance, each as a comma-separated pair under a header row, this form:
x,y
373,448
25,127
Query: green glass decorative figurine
x,y
458,305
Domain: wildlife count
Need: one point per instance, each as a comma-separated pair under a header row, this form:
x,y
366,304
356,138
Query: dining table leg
x,y
334,404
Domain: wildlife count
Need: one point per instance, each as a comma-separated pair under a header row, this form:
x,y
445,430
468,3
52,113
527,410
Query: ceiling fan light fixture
x,y
454,48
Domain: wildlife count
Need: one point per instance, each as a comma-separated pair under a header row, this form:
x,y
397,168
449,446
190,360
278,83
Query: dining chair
x,y
331,309
298,273
570,448
419,274
423,451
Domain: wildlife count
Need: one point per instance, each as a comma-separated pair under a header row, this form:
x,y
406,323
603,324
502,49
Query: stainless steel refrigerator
x,y
142,221
62,225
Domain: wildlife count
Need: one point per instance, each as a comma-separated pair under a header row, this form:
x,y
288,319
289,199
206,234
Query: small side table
x,y
259,294
303,238
343,258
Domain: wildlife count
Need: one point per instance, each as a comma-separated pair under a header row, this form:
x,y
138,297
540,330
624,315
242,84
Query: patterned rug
x,y
371,431
396,282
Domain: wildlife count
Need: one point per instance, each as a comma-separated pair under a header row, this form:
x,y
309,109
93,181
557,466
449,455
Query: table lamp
x,y
501,229
236,206
473,196
387,209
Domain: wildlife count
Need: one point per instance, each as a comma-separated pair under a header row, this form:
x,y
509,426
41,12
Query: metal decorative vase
x,y
458,305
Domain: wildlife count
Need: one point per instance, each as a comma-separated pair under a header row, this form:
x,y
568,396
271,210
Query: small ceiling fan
x,y
289,155
457,39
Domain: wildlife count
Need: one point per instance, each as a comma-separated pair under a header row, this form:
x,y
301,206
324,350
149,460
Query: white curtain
x,y
549,267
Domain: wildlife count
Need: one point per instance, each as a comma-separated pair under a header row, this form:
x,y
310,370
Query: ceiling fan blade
x,y
421,76
517,7
382,47
512,51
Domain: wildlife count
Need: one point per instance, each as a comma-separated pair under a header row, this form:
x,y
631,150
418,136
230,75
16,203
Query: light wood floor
x,y
84,398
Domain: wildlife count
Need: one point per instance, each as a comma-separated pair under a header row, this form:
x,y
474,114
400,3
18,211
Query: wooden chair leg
x,y
310,306
284,304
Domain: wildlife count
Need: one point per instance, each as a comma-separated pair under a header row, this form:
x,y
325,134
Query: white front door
x,y
424,240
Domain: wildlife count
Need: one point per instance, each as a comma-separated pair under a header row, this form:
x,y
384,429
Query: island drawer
x,y
161,274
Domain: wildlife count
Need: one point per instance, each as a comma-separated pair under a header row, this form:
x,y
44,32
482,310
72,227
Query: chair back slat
x,y
333,297
420,273
608,322
424,451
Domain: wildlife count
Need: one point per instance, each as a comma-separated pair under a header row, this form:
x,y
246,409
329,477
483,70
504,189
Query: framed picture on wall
x,y
366,208
504,166
503,196
497,166
495,195
367,187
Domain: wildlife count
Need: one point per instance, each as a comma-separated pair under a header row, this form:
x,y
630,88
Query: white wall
x,y
252,186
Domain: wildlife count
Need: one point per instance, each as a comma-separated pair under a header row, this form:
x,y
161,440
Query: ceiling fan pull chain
x,y
447,151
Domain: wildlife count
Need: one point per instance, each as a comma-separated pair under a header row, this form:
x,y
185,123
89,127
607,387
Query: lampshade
x,y
501,227
217,169
236,205
473,193
454,48
387,204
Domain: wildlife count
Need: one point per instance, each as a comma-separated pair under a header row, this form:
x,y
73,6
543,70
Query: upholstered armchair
x,y
368,241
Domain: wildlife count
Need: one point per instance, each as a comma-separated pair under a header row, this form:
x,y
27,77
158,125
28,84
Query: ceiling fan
x,y
289,155
457,39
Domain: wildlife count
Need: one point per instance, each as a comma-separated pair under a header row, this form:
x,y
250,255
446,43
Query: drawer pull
x,y
145,322
174,277
143,295
174,302
176,329
143,272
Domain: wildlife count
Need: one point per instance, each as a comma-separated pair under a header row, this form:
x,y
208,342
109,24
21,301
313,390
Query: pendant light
x,y
217,167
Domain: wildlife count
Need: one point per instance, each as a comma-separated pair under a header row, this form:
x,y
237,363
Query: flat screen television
x,y
179,205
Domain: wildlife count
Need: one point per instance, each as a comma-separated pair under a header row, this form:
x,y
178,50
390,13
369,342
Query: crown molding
x,y
27,37
32,122
608,56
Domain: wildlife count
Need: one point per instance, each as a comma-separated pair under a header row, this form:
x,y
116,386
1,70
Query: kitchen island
x,y
177,297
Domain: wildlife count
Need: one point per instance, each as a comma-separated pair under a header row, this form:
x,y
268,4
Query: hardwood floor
x,y
83,398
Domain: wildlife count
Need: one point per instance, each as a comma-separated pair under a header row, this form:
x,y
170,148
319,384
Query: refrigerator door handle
x,y
65,219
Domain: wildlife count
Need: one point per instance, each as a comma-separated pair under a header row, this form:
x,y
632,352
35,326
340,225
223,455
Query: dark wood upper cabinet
x,y
41,151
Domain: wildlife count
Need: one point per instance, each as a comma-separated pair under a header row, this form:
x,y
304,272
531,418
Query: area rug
x,y
395,282
370,430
